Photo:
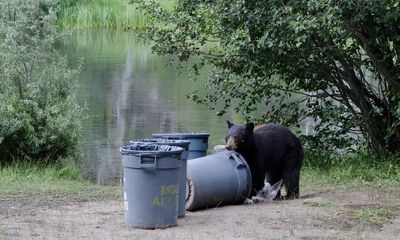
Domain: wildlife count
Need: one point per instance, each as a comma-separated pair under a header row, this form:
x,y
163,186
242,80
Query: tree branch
x,y
387,75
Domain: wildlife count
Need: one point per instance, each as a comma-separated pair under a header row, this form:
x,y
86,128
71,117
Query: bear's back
x,y
275,141
274,132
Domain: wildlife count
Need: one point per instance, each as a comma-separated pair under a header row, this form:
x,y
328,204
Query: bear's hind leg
x,y
291,180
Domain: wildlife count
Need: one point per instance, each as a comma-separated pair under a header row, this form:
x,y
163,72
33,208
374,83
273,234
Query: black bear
x,y
272,153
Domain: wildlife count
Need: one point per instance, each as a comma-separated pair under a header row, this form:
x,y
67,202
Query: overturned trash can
x,y
198,142
151,185
218,179
183,169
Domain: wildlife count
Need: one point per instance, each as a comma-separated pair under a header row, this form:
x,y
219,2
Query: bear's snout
x,y
231,144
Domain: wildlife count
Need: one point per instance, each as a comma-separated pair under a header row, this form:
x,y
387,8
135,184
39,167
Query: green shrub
x,y
39,116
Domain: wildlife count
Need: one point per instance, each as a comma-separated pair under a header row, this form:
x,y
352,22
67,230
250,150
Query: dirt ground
x,y
319,214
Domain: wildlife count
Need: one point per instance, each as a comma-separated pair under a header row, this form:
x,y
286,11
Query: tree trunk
x,y
356,94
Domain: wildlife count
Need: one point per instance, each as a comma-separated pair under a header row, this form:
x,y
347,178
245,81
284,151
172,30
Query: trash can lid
x,y
149,149
182,135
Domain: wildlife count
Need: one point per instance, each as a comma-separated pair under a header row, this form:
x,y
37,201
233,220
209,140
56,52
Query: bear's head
x,y
239,137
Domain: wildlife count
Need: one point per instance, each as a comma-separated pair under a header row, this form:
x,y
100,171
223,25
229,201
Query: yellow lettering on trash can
x,y
169,189
156,201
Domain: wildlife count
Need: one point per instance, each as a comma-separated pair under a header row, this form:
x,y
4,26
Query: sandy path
x,y
328,215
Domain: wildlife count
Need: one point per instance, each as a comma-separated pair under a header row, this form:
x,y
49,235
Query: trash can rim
x,y
160,149
181,134
160,140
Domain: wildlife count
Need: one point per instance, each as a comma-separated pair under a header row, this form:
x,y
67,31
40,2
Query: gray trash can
x,y
183,169
198,142
151,185
218,179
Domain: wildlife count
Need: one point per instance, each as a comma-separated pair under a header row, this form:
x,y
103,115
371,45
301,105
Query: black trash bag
x,y
143,148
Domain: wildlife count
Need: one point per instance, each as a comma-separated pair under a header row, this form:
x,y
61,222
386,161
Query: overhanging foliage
x,y
333,61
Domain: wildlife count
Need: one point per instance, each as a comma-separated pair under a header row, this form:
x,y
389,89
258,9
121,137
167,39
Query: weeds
x,y
352,170
376,216
23,179
24,186
117,14
315,202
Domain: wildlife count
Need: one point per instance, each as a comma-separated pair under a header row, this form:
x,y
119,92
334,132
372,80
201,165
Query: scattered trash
x,y
268,193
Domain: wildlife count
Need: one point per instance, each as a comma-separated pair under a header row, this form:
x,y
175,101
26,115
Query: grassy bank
x,y
47,182
351,170
117,14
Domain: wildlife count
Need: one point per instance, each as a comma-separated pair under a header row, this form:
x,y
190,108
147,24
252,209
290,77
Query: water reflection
x,y
130,93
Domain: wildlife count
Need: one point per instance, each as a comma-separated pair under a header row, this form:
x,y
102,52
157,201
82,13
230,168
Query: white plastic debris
x,y
268,193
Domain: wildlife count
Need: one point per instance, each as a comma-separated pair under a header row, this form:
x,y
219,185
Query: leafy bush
x,y
39,116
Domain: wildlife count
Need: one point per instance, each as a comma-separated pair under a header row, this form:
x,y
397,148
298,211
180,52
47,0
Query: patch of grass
x,y
24,187
314,203
118,14
24,179
351,170
376,216
2,236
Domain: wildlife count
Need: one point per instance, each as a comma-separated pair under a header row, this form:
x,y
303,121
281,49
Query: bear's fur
x,y
272,153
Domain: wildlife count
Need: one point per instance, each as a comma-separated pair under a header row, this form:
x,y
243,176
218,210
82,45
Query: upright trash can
x,y
218,179
183,169
151,185
198,142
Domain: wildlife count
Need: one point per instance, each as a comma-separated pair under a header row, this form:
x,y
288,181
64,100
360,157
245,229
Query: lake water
x,y
131,93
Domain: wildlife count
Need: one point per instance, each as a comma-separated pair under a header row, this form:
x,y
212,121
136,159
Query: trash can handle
x,y
238,161
152,165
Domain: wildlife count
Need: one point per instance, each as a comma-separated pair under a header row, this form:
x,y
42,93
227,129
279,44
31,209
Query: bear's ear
x,y
249,126
229,124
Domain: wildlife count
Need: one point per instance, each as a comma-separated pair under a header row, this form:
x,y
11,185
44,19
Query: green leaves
x,y
39,117
335,62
